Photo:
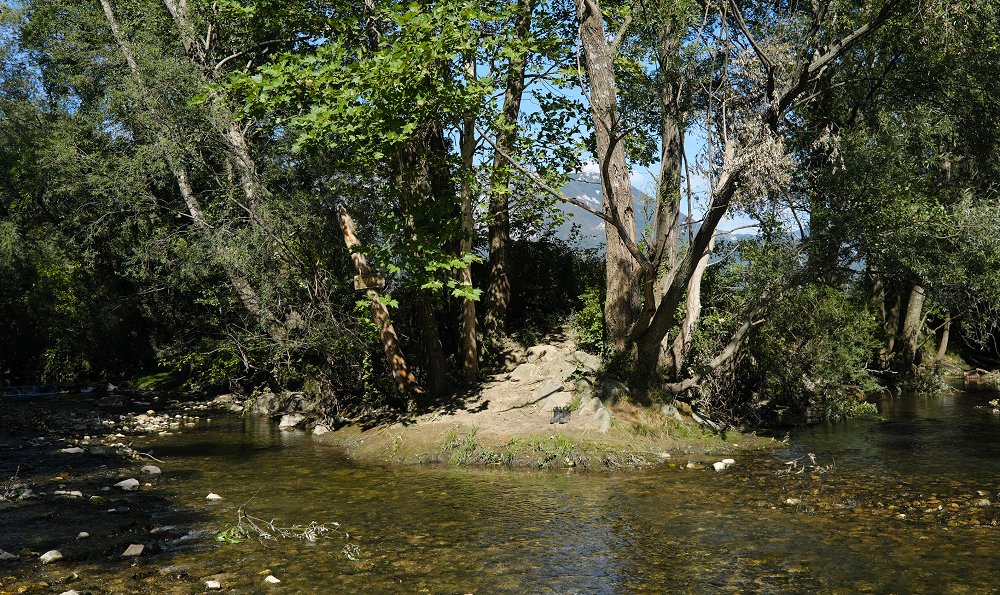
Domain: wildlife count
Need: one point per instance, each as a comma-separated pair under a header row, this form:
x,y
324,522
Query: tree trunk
x,y
890,326
405,380
469,347
435,366
912,325
424,184
943,345
681,346
498,288
623,272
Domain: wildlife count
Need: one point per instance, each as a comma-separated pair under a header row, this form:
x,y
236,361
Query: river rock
x,y
728,462
611,390
590,363
793,501
213,496
545,389
6,556
213,585
718,465
50,556
75,450
541,352
291,421
603,417
129,485
70,592
71,494
669,411
82,535
524,373
271,579
109,401
150,470
320,429
266,404
133,550
982,503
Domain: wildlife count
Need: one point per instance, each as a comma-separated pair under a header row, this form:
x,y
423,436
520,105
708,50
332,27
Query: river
x,y
889,504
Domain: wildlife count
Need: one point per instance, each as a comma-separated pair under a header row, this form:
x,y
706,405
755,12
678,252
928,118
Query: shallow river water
x,y
890,505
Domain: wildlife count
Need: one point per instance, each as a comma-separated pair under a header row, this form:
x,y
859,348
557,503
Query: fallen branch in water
x,y
796,467
249,526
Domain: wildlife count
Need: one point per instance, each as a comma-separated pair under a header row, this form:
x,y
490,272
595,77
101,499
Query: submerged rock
x,y
213,496
6,556
50,556
271,579
150,470
718,465
133,550
75,450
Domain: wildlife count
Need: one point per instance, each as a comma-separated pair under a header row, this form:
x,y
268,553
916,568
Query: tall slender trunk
x,y
405,380
469,346
424,183
943,345
890,326
623,276
244,289
912,325
498,288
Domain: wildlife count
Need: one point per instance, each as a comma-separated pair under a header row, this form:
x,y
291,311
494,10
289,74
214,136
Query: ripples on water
x,y
452,530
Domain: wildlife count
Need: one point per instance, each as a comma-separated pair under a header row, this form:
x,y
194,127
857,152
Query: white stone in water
x,y
72,494
213,496
129,485
321,429
718,465
272,579
793,501
75,450
70,592
133,550
83,535
728,462
150,470
213,585
6,555
292,420
50,556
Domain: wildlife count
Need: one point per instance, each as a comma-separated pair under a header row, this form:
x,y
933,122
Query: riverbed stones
x,y
320,429
213,585
74,450
728,462
150,470
793,501
50,556
6,556
133,550
129,485
982,503
718,466
82,535
291,421
271,579
213,497
603,417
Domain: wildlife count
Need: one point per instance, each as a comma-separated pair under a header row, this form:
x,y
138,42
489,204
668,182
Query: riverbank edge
x,y
628,445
